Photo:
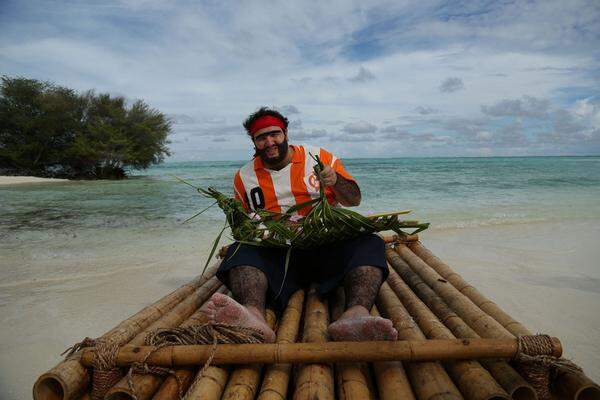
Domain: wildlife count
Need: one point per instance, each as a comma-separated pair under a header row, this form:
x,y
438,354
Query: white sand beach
x,y
547,280
21,180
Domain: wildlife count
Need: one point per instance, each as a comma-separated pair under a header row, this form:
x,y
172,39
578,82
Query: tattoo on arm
x,y
346,192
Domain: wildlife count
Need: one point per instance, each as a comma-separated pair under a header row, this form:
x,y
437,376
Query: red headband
x,y
265,121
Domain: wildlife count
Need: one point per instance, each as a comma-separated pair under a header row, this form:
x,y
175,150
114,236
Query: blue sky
x,y
364,79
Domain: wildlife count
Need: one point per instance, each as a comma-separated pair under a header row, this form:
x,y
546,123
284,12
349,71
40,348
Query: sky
x,y
362,79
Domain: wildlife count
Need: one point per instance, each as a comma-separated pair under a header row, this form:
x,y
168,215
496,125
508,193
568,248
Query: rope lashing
x,y
539,367
105,372
212,333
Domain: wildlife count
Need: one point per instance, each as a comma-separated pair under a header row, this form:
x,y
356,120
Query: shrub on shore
x,y
53,131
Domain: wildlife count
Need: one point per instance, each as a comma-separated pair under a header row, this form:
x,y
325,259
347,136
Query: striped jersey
x,y
260,188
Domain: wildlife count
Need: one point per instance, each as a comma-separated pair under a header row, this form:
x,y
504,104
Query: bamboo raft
x,y
453,344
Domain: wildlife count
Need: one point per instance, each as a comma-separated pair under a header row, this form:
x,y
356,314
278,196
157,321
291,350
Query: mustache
x,y
283,150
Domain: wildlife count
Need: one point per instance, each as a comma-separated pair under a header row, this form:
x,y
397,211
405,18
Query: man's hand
x,y
328,176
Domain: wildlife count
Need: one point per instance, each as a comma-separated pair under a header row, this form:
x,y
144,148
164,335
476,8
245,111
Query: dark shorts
x,y
326,266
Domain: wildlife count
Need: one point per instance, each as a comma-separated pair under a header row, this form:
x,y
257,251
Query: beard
x,y
282,149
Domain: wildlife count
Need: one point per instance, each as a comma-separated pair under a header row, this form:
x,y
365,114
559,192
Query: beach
x,y
20,180
79,257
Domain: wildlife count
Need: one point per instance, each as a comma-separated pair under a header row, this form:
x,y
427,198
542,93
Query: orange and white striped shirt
x,y
258,187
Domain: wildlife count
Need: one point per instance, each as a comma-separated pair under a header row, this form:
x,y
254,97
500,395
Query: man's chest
x,y
282,189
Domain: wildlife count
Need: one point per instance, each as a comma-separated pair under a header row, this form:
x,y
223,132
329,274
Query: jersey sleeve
x,y
335,163
240,191
339,168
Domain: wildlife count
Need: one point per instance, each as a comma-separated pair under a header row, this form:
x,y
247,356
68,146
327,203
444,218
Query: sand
x,y
542,274
20,180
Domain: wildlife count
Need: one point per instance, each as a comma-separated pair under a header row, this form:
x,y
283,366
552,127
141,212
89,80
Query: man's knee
x,y
365,274
246,274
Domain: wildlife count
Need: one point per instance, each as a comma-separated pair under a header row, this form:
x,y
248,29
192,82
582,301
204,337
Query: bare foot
x,y
223,309
357,325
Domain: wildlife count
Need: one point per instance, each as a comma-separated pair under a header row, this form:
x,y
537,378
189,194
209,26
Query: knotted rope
x,y
540,368
104,363
213,333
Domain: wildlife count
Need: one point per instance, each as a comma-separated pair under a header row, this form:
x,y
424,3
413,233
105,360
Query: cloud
x,y
289,109
309,135
364,75
589,110
203,129
395,132
451,85
181,119
523,63
527,106
359,127
569,128
295,124
353,138
426,110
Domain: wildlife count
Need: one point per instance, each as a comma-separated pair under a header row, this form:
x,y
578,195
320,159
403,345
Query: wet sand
x,y
544,278
21,180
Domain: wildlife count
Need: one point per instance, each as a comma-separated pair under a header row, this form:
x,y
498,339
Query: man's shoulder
x,y
312,149
244,169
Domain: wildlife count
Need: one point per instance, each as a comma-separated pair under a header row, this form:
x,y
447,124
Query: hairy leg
x,y
249,287
361,286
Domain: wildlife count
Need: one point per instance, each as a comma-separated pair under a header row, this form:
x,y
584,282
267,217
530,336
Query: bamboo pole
x,y
482,323
314,380
351,380
181,379
208,384
473,381
272,353
397,238
244,380
392,382
569,385
503,373
277,376
429,380
69,378
144,385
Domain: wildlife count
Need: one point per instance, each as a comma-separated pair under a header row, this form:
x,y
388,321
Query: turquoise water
x,y
448,192
48,231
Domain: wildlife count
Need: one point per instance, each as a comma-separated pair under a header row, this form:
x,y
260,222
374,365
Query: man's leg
x,y
249,287
361,286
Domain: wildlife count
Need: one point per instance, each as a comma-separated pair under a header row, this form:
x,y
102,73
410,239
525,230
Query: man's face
x,y
271,144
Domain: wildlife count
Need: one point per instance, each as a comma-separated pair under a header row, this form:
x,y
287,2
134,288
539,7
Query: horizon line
x,y
390,158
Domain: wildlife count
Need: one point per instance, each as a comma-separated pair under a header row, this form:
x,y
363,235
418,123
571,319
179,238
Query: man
x,y
280,176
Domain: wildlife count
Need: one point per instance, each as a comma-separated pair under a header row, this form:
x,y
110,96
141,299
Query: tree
x,y
50,130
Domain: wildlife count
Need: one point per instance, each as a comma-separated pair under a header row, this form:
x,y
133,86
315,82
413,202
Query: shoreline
x,y
24,180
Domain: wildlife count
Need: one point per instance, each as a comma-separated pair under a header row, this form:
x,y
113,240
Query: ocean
x,y
143,215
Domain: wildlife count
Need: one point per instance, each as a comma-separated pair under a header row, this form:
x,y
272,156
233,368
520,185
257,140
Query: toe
x,y
220,300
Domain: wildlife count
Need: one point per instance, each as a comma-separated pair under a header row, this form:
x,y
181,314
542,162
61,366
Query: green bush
x,y
48,130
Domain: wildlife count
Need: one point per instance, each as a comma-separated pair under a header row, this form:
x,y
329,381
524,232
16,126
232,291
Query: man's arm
x,y
346,191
